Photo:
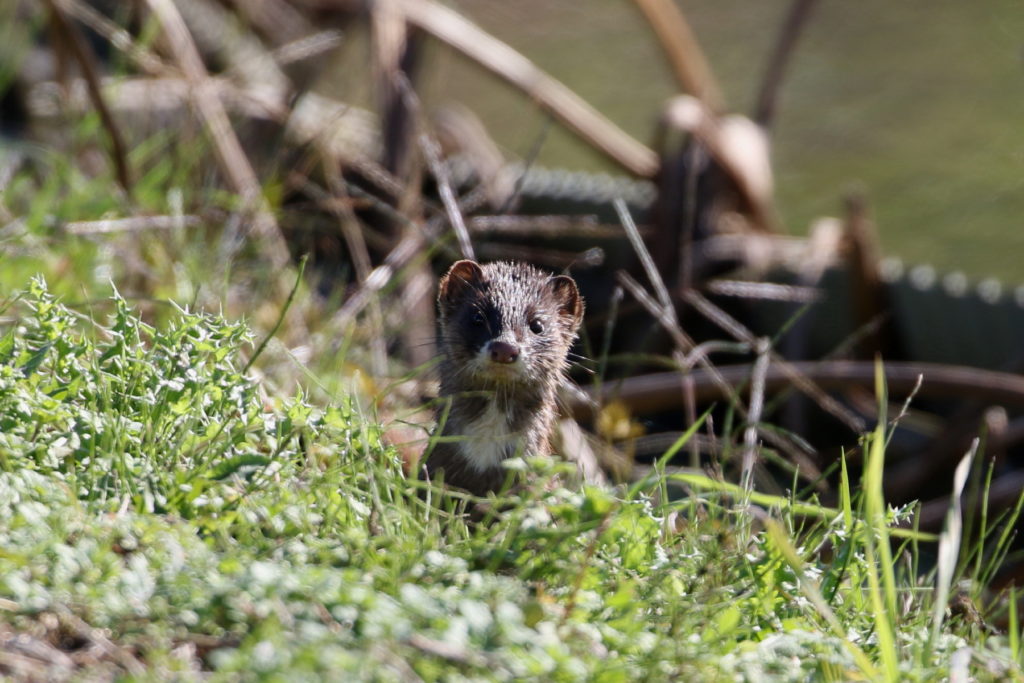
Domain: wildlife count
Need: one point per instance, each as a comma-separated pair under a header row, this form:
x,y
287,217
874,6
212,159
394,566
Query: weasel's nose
x,y
503,352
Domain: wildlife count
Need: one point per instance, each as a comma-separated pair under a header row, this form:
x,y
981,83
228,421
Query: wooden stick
x,y
691,69
552,95
660,391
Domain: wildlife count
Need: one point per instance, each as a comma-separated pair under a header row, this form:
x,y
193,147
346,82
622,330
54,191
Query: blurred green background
x,y
919,102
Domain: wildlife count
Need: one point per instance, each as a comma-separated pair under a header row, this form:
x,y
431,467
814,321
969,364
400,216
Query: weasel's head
x,y
507,323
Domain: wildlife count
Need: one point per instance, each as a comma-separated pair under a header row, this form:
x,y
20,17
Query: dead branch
x,y
692,71
87,61
360,255
655,392
230,154
757,377
431,151
804,384
663,310
553,96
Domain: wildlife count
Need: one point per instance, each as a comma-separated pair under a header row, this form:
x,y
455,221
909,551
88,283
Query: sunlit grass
x,y
208,516
148,488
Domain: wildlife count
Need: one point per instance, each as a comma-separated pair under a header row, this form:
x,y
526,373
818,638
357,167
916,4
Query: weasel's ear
x,y
460,279
570,303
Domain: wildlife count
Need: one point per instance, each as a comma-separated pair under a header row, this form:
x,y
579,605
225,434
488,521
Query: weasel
x,y
505,330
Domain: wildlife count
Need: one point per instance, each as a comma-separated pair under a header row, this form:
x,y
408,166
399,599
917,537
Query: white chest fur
x,y
487,440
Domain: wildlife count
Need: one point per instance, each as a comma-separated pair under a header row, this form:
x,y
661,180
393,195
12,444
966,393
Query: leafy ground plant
x,y
162,518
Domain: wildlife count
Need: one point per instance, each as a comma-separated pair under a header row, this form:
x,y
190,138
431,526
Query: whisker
x,y
584,368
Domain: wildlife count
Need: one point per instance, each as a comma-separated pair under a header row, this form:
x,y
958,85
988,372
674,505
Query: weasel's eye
x,y
536,327
478,319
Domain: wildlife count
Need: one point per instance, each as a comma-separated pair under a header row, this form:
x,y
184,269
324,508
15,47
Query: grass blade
x,y
1014,627
880,574
949,544
784,503
777,537
669,454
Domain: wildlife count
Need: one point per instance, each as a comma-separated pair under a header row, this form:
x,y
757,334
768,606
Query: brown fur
x,y
499,409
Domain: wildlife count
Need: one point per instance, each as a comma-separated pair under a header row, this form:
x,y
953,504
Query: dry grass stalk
x,y
686,386
757,376
274,19
431,151
115,35
663,310
131,224
307,47
353,235
461,132
398,258
800,381
30,658
637,241
94,635
232,157
766,291
74,41
217,33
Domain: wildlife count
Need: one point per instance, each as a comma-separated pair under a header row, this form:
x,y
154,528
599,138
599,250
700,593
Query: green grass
x,y
187,496
152,492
